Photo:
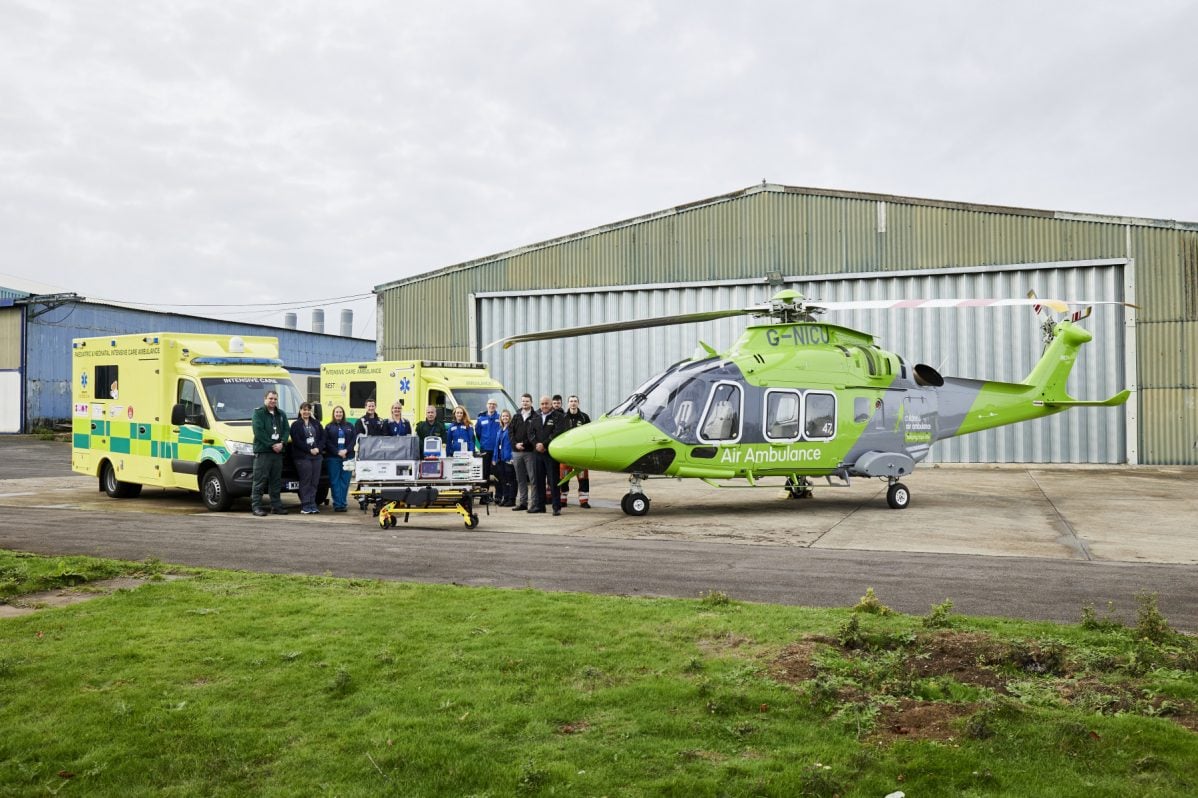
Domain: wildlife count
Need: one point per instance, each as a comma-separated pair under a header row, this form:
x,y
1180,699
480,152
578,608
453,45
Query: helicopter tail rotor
x,y
1053,314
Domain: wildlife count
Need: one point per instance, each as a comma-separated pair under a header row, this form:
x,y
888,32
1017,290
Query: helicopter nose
x,y
576,447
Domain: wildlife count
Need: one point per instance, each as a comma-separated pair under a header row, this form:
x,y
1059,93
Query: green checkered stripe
x,y
138,439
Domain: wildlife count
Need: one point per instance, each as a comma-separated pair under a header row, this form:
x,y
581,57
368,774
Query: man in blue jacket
x,y
486,427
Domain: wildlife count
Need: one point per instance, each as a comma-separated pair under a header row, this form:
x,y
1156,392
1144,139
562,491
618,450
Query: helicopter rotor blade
x,y
617,326
1058,305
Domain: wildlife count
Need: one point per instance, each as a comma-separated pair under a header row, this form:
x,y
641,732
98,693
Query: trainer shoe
x,y
258,511
279,511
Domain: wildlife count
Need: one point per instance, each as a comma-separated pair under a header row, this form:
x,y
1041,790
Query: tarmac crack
x,y
847,516
1074,541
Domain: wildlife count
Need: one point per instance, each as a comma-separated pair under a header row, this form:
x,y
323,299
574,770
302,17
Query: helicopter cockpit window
x,y
781,416
821,416
722,422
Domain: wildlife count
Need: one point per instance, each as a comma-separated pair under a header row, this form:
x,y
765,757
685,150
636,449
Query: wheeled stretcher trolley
x,y
398,476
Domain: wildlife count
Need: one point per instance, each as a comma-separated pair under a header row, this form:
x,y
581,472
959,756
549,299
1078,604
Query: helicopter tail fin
x,y
1052,372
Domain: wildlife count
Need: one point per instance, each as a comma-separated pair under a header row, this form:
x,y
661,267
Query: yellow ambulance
x,y
416,383
173,410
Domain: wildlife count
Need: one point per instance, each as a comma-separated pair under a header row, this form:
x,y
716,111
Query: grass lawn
x,y
230,683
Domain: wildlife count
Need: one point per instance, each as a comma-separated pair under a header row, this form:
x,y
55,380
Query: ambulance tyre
x,y
215,492
114,487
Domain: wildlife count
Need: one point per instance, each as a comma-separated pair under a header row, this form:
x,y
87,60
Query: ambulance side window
x,y
193,408
444,411
360,393
105,382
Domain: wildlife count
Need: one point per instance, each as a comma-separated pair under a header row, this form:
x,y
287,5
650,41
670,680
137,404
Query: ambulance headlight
x,y
237,447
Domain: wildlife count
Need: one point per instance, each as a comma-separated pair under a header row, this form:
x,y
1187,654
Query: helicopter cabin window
x,y
193,408
862,405
722,422
106,382
781,415
820,412
360,393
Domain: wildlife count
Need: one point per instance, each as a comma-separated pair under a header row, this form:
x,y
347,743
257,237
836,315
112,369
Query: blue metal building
x,y
35,346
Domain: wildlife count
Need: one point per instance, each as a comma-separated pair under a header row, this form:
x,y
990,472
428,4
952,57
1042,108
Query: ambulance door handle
x,y
209,441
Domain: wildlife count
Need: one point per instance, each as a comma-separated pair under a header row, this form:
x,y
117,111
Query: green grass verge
x,y
245,684
22,573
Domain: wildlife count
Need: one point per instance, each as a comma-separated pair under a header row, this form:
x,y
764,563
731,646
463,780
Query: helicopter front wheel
x,y
635,504
897,496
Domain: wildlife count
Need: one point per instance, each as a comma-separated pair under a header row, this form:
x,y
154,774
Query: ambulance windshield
x,y
236,398
475,400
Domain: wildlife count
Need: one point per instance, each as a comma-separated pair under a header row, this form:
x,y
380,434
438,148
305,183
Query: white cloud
x,y
266,151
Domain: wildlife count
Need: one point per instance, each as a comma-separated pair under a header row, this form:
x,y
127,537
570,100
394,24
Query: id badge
x,y
274,436
310,439
341,441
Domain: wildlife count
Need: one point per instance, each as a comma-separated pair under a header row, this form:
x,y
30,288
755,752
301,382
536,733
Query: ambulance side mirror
x,y
178,416
317,412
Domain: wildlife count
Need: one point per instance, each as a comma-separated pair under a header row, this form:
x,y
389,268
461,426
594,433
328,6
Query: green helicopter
x,y
800,398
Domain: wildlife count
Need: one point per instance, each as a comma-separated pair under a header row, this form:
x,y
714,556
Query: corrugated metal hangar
x,y
35,350
738,249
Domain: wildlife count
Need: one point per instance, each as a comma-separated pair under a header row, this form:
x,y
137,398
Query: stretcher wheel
x,y
472,521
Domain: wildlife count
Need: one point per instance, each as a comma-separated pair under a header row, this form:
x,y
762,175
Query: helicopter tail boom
x,y
1042,393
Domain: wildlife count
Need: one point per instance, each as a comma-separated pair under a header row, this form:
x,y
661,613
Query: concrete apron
x,y
1112,514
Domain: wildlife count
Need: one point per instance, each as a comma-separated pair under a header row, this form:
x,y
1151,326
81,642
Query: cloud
x,y
263,151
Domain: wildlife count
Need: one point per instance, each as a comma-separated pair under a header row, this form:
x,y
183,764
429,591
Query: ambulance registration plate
x,y
291,486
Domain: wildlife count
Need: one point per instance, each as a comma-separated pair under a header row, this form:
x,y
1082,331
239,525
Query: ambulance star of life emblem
x,y
405,385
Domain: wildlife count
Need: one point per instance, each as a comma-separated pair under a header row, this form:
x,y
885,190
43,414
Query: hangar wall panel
x,y
982,343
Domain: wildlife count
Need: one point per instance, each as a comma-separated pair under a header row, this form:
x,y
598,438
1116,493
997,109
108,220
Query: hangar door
x,y
980,343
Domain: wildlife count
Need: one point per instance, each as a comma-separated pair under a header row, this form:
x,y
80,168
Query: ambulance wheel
x,y
472,521
215,492
635,504
898,497
114,487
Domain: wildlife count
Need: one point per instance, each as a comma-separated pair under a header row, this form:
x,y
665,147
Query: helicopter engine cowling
x,y
882,464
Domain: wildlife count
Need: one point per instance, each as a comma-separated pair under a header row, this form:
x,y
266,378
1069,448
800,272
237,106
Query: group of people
x,y
528,474
514,449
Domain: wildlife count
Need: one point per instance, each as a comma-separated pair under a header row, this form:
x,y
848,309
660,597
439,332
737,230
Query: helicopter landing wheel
x,y
898,497
635,504
798,488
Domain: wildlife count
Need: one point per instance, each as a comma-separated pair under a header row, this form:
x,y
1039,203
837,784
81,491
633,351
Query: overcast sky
x,y
169,151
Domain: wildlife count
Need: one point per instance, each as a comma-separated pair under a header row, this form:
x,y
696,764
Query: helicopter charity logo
x,y
751,456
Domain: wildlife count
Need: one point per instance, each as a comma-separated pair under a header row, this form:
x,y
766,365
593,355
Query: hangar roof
x,y
781,189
